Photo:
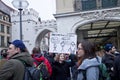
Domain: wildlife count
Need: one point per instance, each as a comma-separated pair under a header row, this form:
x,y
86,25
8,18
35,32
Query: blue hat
x,y
18,43
108,47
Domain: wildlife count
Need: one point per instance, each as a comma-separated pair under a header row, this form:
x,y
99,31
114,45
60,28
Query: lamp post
x,y
20,5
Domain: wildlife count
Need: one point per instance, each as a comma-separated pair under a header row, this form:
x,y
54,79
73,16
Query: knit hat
x,y
108,47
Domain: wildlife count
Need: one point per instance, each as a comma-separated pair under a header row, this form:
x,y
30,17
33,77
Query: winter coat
x,y
13,69
62,70
91,67
117,68
108,60
74,71
2,61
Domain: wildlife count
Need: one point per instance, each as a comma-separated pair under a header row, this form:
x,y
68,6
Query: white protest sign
x,y
62,43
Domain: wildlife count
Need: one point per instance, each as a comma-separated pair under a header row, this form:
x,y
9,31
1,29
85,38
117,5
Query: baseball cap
x,y
18,43
108,47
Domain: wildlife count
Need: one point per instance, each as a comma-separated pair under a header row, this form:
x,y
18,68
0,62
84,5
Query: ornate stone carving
x,y
100,14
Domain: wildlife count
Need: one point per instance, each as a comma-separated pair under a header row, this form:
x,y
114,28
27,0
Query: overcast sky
x,y
45,8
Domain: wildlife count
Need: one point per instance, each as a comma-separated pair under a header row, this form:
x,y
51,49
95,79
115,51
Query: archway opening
x,y
100,32
42,40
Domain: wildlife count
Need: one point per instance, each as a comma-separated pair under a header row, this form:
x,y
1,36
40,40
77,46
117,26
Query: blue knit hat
x,y
108,47
18,43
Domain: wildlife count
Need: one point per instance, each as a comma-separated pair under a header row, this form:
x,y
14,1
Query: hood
x,y
26,57
89,63
39,59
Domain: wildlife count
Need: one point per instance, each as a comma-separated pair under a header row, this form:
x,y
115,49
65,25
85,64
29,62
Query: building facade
x,y
5,25
95,20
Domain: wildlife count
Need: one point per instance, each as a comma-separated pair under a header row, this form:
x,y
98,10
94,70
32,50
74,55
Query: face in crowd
x,y
62,57
12,50
80,51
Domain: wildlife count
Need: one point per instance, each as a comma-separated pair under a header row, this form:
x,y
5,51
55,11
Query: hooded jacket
x,y
13,69
91,67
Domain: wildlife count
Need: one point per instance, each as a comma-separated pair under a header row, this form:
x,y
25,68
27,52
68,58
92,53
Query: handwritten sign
x,y
62,43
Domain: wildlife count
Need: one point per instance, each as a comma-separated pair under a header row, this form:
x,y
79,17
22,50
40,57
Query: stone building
x,y
95,20
5,24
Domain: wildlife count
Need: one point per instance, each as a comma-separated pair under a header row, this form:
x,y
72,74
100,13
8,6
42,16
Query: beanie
x,y
108,47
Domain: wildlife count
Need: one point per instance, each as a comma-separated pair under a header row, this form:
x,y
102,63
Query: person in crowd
x,y
100,53
87,61
74,69
108,59
13,69
3,57
3,53
50,56
114,51
61,67
38,58
116,68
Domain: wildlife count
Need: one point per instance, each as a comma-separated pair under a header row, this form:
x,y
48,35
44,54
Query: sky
x,y
45,8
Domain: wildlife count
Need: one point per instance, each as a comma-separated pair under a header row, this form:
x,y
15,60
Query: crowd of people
x,y
61,66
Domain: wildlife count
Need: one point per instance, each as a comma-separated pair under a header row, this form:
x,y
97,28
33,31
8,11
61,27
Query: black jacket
x,y
108,60
62,70
117,68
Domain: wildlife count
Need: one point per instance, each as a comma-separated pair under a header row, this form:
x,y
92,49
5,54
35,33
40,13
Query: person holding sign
x,y
61,66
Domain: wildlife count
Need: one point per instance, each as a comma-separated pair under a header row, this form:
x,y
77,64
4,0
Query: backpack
x,y
103,72
31,72
43,71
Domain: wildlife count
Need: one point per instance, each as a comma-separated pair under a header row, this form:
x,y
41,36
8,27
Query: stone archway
x,y
41,38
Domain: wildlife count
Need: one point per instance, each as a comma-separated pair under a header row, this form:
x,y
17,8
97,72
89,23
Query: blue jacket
x,y
91,67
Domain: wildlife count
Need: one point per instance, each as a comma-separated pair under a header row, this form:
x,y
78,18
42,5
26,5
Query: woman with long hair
x,y
61,67
88,61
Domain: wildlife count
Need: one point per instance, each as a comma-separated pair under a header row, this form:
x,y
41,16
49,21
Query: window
x,y
4,18
1,28
83,5
1,16
2,44
7,19
88,4
8,39
8,30
109,3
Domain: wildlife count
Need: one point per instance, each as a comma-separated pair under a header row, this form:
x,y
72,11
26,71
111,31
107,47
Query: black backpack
x,y
31,72
43,71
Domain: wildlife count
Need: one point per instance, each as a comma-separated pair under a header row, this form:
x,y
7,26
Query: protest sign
x,y
62,43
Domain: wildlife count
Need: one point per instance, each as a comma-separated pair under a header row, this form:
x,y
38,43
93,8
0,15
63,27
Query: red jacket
x,y
47,63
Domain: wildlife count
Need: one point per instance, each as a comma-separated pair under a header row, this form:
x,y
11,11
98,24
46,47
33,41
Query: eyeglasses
x,y
80,49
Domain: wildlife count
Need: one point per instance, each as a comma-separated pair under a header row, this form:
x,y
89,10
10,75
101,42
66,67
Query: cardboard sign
x,y
62,43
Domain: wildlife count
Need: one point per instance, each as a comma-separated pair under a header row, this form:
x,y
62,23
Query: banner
x,y
62,43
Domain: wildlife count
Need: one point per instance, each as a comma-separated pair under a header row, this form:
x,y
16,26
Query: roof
x,y
5,8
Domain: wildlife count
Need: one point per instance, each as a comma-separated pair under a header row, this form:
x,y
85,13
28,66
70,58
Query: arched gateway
x,y
34,31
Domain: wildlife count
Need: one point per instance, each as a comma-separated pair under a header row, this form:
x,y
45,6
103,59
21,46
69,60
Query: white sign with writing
x,y
62,43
